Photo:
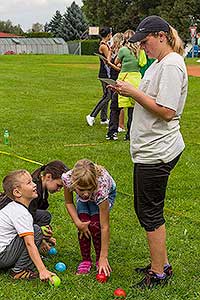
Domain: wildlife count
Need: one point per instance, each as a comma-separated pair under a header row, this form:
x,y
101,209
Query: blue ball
x,y
52,251
60,267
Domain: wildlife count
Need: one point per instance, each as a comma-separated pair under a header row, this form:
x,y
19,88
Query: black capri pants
x,y
150,183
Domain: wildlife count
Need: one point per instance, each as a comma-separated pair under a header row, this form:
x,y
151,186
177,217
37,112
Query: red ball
x,y
120,293
102,278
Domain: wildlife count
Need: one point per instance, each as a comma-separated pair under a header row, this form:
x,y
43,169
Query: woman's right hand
x,y
84,229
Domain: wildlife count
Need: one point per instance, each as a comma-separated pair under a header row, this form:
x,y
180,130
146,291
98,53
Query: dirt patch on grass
x,y
193,70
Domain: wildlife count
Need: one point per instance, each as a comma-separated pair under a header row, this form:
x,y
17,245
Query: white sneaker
x,y
121,129
90,120
104,122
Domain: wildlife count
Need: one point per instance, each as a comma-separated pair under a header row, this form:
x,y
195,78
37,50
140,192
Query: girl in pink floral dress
x,y
95,194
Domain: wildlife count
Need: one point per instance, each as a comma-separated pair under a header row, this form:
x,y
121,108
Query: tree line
x,y
118,14
124,14
69,26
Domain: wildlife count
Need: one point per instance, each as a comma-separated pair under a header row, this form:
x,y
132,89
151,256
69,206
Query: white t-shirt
x,y
154,140
15,219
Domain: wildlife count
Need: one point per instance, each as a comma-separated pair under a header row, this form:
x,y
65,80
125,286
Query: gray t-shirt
x,y
154,140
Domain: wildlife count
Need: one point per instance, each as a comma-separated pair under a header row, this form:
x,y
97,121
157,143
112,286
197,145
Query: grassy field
x,y
44,101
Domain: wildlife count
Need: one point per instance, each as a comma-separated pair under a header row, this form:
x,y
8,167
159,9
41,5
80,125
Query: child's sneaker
x,y
24,274
90,120
84,267
151,280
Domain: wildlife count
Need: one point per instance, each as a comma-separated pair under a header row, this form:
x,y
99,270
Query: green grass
x,y
44,101
193,61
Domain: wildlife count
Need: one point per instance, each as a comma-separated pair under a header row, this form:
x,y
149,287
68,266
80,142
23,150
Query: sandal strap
x,y
24,274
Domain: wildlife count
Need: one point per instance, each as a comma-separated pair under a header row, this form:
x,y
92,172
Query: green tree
x,y
55,25
41,34
46,27
178,13
74,23
121,15
8,27
37,27
118,14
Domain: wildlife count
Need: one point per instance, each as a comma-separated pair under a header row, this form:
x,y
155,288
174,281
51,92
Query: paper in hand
x,y
108,81
100,56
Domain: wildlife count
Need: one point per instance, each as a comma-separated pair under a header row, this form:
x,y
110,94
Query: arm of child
x,y
82,226
33,252
103,49
105,238
109,54
117,61
113,66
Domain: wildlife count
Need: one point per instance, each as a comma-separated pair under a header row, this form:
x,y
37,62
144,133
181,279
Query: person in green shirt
x,y
130,72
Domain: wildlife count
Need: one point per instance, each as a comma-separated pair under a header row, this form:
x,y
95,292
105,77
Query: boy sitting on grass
x,y
19,238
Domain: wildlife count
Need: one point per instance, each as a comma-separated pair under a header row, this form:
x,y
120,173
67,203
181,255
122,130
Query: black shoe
x,y
167,270
150,281
143,270
127,138
113,137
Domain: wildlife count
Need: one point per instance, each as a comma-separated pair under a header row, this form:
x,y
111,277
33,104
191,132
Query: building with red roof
x,y
8,35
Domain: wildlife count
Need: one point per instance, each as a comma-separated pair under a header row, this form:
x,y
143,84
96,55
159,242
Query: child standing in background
x,y
19,238
95,194
130,72
113,127
104,72
48,180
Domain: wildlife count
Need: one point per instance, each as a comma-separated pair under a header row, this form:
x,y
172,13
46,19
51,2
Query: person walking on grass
x,y
104,72
95,194
156,141
19,238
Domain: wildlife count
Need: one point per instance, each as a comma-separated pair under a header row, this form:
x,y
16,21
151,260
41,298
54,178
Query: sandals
x,y
84,267
24,274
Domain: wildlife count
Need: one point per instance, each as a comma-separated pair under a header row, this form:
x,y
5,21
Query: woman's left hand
x,y
104,266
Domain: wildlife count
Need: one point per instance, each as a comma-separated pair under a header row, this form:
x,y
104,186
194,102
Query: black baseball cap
x,y
149,25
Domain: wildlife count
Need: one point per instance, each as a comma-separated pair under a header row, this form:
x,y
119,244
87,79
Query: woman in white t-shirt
x,y
156,141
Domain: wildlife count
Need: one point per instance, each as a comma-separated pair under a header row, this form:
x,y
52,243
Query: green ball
x,y
56,281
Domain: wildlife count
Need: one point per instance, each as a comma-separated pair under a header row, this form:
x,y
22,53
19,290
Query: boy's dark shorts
x,y
150,183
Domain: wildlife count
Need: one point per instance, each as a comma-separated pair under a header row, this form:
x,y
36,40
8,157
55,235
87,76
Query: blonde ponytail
x,y
175,41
